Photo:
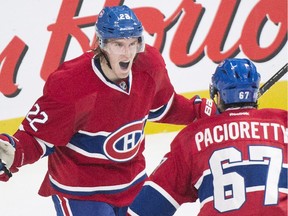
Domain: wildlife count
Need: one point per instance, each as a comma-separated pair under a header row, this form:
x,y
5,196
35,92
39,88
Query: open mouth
x,y
124,65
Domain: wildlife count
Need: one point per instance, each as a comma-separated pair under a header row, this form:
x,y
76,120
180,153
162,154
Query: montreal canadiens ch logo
x,y
124,143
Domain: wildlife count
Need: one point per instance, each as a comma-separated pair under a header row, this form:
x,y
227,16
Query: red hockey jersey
x,y
235,164
93,131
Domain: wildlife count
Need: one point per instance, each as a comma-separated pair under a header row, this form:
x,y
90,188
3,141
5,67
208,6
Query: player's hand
x,y
7,154
204,107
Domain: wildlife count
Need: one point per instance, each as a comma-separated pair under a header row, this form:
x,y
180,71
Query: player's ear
x,y
218,97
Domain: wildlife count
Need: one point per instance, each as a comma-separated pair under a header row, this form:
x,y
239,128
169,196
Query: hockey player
x,y
235,163
90,120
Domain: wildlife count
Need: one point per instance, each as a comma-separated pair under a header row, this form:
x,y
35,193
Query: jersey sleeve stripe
x,y
160,112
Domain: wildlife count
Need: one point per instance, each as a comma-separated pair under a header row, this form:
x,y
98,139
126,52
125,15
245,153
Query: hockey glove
x,y
7,153
204,107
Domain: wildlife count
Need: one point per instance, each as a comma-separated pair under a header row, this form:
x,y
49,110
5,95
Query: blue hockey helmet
x,y
119,22
237,81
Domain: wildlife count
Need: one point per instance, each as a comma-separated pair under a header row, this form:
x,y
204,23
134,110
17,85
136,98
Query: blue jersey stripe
x,y
254,175
86,191
152,197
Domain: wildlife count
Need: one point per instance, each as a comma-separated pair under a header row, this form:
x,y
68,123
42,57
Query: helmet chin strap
x,y
106,58
219,102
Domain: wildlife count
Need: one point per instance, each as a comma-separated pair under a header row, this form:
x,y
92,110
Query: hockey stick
x,y
5,169
272,80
